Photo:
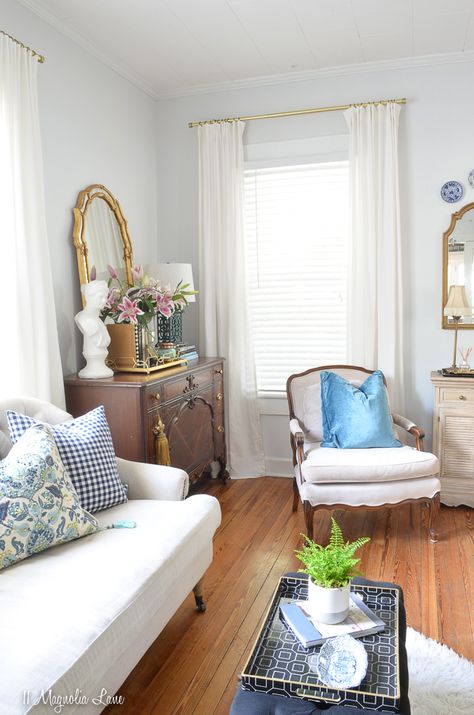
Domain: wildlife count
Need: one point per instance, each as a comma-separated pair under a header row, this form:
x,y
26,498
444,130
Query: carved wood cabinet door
x,y
189,427
186,404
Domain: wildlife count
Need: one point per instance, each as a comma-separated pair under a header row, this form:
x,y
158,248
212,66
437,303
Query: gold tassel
x,y
162,447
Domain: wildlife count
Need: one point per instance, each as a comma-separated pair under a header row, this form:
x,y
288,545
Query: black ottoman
x,y
249,703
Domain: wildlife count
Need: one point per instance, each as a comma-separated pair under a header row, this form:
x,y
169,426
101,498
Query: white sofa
x,y
76,619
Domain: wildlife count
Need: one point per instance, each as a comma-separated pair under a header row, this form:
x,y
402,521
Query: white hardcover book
x,y
360,621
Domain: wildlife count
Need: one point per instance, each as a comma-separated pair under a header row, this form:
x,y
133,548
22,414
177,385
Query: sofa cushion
x,y
367,465
102,598
356,417
86,448
39,506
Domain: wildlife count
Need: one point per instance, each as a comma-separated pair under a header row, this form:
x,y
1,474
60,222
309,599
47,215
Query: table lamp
x,y
170,330
456,307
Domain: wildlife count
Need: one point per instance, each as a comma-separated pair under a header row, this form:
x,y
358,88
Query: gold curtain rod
x,y
39,57
296,112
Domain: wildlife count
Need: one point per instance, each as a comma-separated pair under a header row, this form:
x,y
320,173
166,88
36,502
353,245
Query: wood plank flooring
x,y
193,666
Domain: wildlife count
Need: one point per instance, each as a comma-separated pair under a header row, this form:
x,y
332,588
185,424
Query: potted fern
x,y
330,569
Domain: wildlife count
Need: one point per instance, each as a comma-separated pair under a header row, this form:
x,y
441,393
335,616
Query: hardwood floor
x,y
193,666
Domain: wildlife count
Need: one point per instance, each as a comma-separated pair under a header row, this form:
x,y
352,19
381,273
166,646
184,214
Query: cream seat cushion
x,y
68,613
323,464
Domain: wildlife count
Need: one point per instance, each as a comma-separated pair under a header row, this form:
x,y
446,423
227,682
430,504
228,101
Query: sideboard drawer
x,y
460,395
180,386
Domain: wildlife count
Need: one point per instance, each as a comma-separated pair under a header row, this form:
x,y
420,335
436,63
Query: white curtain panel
x,y
29,359
224,324
375,302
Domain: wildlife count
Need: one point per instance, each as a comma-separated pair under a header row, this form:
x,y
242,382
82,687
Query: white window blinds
x,y
296,228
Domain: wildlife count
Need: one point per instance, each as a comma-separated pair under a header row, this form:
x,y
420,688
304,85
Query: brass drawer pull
x,y
220,428
219,372
219,396
157,396
462,397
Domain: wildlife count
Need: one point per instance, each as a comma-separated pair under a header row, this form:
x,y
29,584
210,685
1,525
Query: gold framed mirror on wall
x,y
100,235
458,263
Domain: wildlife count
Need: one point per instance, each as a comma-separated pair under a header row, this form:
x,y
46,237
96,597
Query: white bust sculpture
x,y
96,336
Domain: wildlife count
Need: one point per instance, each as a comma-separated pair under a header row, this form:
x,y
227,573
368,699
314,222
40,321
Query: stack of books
x,y
187,352
360,621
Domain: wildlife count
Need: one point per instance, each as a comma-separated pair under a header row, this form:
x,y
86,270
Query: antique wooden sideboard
x,y
188,400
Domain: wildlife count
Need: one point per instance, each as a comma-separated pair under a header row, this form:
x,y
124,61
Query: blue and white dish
x,y
341,663
452,191
470,178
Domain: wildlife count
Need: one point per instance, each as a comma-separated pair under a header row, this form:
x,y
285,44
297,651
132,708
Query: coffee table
x,y
277,678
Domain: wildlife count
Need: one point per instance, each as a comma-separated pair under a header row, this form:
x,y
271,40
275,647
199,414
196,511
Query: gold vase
x,y
131,348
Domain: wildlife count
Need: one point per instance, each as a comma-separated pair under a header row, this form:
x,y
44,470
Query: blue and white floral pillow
x,y
86,448
39,506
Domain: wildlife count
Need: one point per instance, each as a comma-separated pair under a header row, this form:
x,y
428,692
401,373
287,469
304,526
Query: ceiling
x,y
181,46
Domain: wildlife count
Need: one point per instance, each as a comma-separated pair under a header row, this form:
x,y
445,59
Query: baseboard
x,y
278,467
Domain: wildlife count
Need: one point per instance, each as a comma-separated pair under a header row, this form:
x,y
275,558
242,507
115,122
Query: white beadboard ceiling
x,y
174,47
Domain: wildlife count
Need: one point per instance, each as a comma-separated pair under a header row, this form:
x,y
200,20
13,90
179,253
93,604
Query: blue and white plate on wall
x,y
452,191
470,178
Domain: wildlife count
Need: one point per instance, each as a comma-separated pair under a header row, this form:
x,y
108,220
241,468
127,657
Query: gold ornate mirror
x,y
458,261
100,234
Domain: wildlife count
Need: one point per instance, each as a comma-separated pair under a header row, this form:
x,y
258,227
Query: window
x,y
296,228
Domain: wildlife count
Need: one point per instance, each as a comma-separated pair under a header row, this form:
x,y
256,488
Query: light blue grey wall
x,y
436,144
96,128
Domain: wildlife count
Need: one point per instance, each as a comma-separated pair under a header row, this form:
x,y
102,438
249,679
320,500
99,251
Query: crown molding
x,y
323,73
90,48
249,82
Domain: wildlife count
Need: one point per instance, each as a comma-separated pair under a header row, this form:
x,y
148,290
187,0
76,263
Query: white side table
x,y
453,437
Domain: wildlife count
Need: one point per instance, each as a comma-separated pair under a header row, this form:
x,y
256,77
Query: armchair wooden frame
x,y
297,441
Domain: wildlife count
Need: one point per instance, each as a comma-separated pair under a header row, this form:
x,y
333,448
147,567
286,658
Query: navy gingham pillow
x,y
86,448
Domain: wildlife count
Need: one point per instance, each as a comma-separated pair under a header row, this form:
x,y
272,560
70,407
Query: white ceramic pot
x,y
328,605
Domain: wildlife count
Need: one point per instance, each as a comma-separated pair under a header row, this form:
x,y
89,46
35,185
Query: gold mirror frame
x,y
455,217
84,200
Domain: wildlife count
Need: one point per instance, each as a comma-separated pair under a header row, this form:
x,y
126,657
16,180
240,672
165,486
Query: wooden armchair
x,y
353,478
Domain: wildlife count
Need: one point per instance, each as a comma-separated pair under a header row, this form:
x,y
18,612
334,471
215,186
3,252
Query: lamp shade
x,y
171,274
457,303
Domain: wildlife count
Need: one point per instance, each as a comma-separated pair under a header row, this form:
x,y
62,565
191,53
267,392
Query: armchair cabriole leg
x,y
198,597
308,518
296,495
434,505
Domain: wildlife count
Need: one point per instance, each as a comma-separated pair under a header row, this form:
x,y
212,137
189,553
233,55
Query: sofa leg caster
x,y
198,597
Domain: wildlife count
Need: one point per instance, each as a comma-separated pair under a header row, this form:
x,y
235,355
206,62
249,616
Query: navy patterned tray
x,y
278,664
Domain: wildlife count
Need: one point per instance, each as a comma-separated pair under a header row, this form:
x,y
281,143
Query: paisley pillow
x,y
39,506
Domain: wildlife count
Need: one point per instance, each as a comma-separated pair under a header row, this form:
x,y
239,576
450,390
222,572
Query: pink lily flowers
x,y
140,302
129,311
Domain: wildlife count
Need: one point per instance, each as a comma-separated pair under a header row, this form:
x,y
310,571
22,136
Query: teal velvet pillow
x,y
355,417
